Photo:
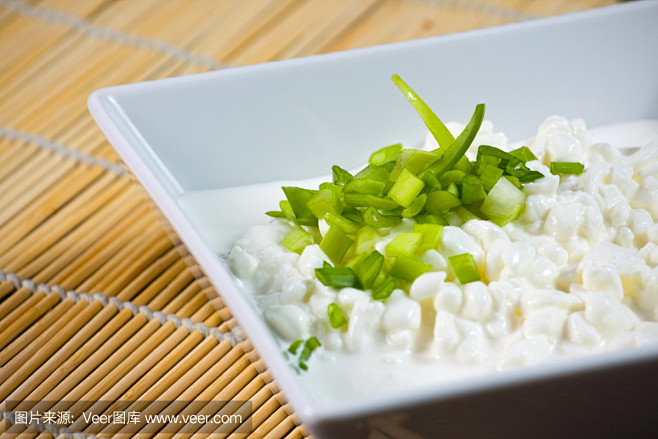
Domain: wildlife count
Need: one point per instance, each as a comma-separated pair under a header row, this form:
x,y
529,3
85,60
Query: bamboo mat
x,y
98,302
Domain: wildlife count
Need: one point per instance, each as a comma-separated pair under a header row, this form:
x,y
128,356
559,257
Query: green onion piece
x,y
524,154
454,176
514,180
456,151
489,176
366,186
442,135
383,287
431,219
336,317
275,214
302,365
408,268
406,188
373,172
573,168
335,244
431,182
441,201
465,214
431,235
296,240
333,187
464,267
323,202
414,160
298,199
368,268
504,202
294,346
340,176
338,277
385,155
472,190
347,226
403,244
375,219
416,207
366,238
365,200
452,189
310,345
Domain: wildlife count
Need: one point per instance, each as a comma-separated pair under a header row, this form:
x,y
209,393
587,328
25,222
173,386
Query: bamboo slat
x,y
101,306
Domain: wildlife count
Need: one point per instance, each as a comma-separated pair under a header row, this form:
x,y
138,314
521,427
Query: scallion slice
x,y
375,219
431,235
472,190
366,200
439,202
346,225
524,154
406,188
383,287
323,202
298,199
368,268
385,154
403,244
408,268
464,267
366,186
566,168
340,176
489,176
416,207
336,317
503,203
366,238
296,240
337,277
335,244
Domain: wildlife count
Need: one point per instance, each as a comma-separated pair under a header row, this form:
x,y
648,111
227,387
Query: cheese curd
x,y
576,273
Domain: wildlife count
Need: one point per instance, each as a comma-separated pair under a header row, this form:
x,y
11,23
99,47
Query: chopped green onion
x,y
368,268
442,135
414,160
366,238
335,244
441,201
310,345
456,151
452,189
524,154
336,317
408,268
296,240
294,346
366,200
431,219
504,202
338,277
406,188
416,207
431,235
454,176
375,219
323,202
275,214
489,175
298,199
383,287
333,187
385,154
464,267
431,182
347,226
472,190
340,176
465,215
573,168
366,186
403,244
373,172
514,180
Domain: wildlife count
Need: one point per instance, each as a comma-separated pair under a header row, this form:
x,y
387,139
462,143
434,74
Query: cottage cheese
x,y
576,274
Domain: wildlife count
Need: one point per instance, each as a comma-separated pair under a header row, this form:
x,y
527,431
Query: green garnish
x,y
336,317
309,345
398,184
563,168
464,267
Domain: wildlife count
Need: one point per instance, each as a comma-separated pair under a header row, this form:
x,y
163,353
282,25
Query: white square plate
x,y
293,119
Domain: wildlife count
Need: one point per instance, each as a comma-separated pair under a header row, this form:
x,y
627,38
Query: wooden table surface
x,y
98,303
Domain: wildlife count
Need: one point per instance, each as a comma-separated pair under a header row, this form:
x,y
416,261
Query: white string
x,y
81,157
234,336
104,33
